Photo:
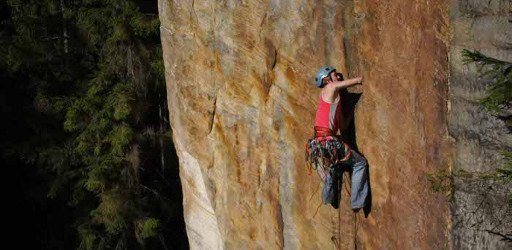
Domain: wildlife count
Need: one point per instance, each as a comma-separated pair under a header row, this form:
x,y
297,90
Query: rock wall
x,y
242,104
481,215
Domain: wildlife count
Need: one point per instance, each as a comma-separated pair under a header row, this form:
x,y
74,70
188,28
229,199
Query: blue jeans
x,y
359,188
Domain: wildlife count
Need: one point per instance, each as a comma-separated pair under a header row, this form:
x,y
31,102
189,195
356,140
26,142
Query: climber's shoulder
x,y
330,94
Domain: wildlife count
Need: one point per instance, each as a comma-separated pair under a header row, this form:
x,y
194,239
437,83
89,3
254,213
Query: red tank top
x,y
328,114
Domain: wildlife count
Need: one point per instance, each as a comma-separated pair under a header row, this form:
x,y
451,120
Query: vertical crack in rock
x,y
271,62
281,224
212,115
194,22
270,79
263,21
192,11
275,59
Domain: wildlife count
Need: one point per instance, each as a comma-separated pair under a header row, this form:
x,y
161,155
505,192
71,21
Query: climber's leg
x,y
330,192
359,187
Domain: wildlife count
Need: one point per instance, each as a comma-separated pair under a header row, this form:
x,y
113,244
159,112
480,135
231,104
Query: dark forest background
x,y
85,139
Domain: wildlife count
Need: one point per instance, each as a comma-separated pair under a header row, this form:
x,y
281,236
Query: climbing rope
x,y
355,230
339,215
335,240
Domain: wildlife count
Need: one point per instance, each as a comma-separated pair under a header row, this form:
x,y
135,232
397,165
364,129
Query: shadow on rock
x,y
349,101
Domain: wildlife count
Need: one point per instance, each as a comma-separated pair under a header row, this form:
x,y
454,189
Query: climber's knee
x,y
360,163
364,162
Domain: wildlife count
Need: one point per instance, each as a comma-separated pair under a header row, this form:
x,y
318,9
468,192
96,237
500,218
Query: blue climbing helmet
x,y
321,73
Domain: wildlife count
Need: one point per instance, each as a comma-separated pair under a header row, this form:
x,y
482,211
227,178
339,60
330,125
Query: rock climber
x,y
326,152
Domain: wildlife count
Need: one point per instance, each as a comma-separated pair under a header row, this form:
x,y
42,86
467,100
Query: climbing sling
x,y
325,149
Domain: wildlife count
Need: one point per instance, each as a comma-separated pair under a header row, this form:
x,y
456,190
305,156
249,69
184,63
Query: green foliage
x,y
86,238
498,95
112,212
503,173
507,165
50,104
96,75
120,137
147,227
441,181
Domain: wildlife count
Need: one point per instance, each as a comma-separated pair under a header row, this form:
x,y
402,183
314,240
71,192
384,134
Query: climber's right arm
x,y
339,85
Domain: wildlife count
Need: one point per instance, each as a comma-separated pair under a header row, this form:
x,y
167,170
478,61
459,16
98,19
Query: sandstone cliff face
x,y
242,105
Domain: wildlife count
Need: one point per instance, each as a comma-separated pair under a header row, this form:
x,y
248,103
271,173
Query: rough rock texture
x,y
481,215
242,105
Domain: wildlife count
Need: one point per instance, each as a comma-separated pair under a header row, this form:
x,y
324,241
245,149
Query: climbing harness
x,y
325,150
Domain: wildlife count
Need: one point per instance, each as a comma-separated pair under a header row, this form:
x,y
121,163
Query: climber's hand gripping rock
x,y
339,84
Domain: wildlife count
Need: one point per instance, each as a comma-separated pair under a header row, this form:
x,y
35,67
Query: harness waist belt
x,y
321,131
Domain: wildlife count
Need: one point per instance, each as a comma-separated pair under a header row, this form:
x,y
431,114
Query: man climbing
x,y
327,152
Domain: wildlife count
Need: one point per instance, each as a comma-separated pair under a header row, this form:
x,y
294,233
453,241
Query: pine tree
x,y
498,95
94,71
